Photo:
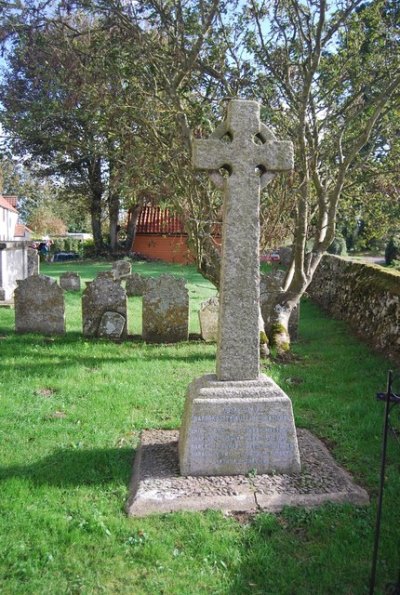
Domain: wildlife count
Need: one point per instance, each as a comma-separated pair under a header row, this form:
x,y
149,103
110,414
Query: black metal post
x,y
382,482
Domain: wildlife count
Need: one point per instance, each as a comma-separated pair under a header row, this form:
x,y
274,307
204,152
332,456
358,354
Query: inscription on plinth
x,y
225,434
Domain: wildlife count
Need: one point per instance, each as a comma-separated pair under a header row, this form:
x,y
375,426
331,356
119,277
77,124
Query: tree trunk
x,y
133,217
113,210
210,261
96,195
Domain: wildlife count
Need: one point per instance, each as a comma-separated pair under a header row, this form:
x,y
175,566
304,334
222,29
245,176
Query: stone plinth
x,y
236,427
13,266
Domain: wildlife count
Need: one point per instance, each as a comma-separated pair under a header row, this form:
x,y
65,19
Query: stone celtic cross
x,y
250,155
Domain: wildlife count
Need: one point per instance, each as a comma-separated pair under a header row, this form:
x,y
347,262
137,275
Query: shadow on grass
x,y
75,467
49,350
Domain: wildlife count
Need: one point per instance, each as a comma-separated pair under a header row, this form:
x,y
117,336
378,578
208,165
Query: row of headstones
x,y
39,306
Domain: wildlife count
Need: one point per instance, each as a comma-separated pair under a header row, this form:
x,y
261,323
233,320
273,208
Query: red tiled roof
x,y
7,205
20,230
161,221
12,199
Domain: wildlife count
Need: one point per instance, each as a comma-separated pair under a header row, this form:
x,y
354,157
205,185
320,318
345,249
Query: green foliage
x,y
67,245
392,250
338,247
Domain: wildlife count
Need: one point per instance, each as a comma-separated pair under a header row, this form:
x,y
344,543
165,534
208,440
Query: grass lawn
x,y
71,410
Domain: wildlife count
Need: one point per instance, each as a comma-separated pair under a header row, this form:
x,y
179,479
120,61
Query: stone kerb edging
x,y
364,295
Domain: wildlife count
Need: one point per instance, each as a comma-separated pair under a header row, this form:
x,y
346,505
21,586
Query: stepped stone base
x,y
237,427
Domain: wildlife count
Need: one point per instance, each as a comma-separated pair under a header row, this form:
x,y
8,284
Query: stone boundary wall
x,y
366,296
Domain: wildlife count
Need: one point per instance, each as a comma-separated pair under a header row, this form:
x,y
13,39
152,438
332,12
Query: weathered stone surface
x,y
33,262
121,269
134,284
208,317
104,275
112,325
13,266
236,427
100,296
238,421
70,281
39,306
366,296
250,167
158,487
165,310
270,286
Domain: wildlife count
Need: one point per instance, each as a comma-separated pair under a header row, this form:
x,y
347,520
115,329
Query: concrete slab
x,y
157,486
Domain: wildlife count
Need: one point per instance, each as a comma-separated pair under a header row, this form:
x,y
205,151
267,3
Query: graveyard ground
x,y
71,410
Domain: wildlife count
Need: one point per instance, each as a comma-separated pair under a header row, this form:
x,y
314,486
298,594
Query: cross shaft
x,y
235,147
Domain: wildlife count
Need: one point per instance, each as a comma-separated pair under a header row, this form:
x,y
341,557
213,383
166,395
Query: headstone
x,y
33,262
103,296
270,286
112,325
70,281
134,284
238,420
121,269
165,310
39,306
208,318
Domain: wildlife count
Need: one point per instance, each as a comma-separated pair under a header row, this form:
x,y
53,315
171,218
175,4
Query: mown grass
x,y
70,415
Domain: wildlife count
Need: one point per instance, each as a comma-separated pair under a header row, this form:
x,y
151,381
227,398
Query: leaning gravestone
x,y
39,306
104,312
134,284
239,420
70,281
121,269
165,310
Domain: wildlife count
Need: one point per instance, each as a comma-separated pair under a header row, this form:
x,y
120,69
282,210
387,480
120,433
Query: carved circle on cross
x,y
265,134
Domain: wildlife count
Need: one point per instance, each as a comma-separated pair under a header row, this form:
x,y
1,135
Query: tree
x,y
115,89
327,76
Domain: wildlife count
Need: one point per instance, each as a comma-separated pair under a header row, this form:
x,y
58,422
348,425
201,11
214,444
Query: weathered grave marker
x,y
238,420
39,306
165,310
208,318
134,284
104,307
33,262
121,269
70,281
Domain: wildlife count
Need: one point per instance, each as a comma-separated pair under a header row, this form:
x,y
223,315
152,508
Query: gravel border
x,y
157,486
